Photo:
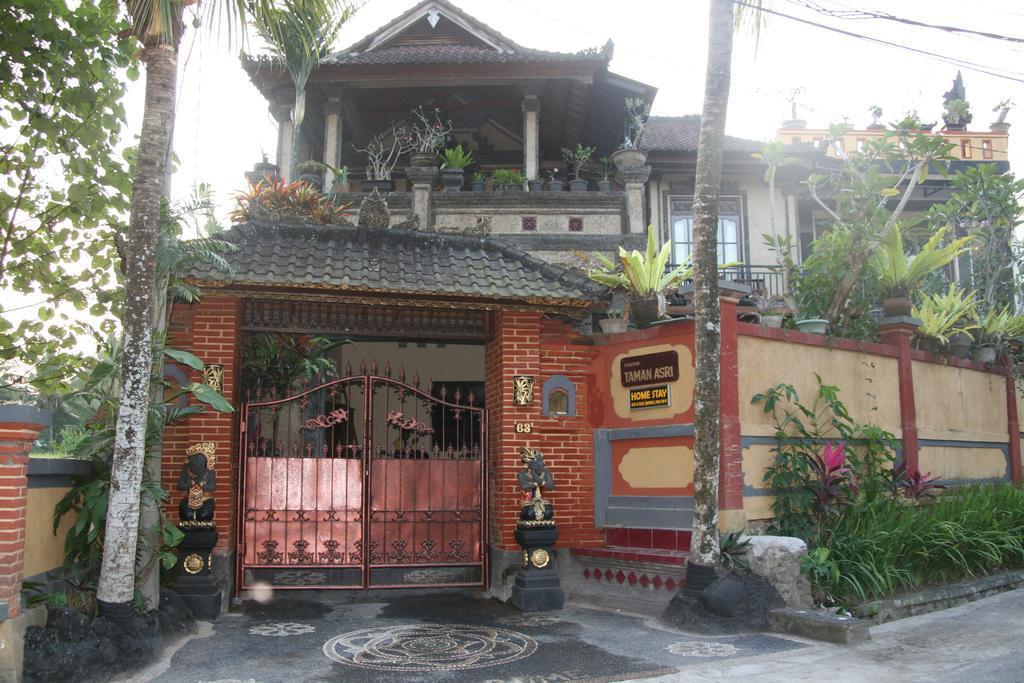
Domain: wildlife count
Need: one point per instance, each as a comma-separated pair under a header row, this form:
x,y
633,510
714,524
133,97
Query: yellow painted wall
x,y
43,550
950,462
868,384
756,460
657,467
959,404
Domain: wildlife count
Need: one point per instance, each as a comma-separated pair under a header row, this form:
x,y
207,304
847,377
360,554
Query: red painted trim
x,y
819,340
966,363
730,482
908,405
1013,425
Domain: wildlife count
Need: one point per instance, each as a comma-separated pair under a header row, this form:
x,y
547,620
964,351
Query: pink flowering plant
x,y
832,484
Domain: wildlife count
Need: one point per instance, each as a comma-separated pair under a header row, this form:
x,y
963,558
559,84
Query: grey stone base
x,y
503,566
819,625
943,597
650,597
537,590
12,642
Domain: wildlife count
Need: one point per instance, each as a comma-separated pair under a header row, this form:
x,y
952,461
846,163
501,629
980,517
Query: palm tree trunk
x,y
704,551
298,114
117,574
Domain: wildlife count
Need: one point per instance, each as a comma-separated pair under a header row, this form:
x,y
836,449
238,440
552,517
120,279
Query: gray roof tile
x,y
681,134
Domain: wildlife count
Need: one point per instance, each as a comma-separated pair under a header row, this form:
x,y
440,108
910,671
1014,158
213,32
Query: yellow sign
x,y
524,427
649,397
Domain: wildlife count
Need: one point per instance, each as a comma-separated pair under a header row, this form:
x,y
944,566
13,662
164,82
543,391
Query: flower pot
x,y
556,186
422,159
999,127
929,344
895,306
960,345
452,179
605,185
812,325
379,185
647,310
535,185
985,354
628,158
314,179
613,325
578,185
772,320
478,185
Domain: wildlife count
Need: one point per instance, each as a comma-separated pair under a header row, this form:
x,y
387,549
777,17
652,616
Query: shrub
x,y
272,199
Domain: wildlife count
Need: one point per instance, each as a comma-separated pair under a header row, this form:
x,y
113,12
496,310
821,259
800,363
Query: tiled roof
x,y
462,54
394,261
681,134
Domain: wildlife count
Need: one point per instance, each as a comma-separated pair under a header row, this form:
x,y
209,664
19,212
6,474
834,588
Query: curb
x,y
942,597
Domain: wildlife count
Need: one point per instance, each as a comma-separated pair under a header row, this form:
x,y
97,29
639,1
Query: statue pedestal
x,y
537,587
196,583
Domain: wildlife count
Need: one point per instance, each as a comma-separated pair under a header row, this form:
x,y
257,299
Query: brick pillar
x,y
730,483
210,330
1013,424
897,332
19,428
513,350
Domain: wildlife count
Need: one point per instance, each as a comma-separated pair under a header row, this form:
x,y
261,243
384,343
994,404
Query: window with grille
x,y
729,229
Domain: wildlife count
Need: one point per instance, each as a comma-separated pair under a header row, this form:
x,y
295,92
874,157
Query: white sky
x,y
223,125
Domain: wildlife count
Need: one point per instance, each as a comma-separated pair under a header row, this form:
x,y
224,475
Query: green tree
x,y
300,33
64,192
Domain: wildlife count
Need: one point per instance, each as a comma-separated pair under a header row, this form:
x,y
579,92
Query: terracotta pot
x,y
579,185
422,159
897,306
629,158
646,311
613,325
813,325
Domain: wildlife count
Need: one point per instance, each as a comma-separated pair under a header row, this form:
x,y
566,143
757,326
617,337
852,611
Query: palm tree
x,y
300,33
158,25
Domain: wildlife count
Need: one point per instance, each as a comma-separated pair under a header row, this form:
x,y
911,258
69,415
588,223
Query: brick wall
x,y
210,330
523,344
16,439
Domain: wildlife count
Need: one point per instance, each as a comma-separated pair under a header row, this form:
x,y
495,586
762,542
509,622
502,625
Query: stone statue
x,y
198,480
533,480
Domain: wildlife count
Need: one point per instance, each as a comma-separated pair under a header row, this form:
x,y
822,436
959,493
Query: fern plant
x,y
943,315
899,273
641,275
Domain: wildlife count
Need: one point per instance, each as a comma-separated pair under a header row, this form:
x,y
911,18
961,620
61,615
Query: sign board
x,y
650,368
649,397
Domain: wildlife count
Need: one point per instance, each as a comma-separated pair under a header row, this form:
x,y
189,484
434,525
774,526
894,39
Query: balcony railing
x,y
763,280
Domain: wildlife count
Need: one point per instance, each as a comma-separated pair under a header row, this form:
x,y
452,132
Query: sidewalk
x,y
457,637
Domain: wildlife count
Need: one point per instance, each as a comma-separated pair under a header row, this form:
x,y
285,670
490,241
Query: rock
x,y
778,559
70,625
413,223
750,614
373,212
174,613
727,596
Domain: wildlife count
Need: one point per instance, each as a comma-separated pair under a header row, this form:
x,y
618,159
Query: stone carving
x,y
778,559
533,480
199,481
373,211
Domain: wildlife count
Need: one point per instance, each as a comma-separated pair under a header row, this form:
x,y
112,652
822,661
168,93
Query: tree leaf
x,y
210,397
185,358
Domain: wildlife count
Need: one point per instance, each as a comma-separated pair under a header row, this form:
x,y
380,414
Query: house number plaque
x,y
524,427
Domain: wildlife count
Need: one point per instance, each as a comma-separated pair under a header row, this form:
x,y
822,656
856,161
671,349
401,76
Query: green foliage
x,y
274,364
638,111
505,178
607,167
943,315
801,432
900,274
455,157
272,199
578,157
733,547
64,190
640,275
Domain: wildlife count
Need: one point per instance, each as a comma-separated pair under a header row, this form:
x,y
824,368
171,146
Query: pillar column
x,y
531,136
1013,424
422,180
731,515
332,140
634,180
282,113
897,332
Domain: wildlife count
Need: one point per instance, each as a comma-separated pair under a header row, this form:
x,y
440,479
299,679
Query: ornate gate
x,y
363,482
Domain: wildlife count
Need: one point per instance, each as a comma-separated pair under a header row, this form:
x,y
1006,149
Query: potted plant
x,y
876,114
995,329
642,276
340,176
615,323
506,179
772,309
535,184
382,152
899,274
454,161
555,184
629,155
606,184
312,172
578,159
1001,110
957,114
942,316
478,183
812,325
428,134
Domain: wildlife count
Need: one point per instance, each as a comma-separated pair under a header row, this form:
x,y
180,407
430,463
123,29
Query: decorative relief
x,y
213,377
207,448
324,421
540,558
522,390
193,563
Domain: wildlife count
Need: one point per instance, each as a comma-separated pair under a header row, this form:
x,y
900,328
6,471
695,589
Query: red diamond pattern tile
x,y
670,584
631,578
657,583
608,574
620,577
644,581
586,573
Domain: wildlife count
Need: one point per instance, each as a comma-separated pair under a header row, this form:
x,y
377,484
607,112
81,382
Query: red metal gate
x,y
363,482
